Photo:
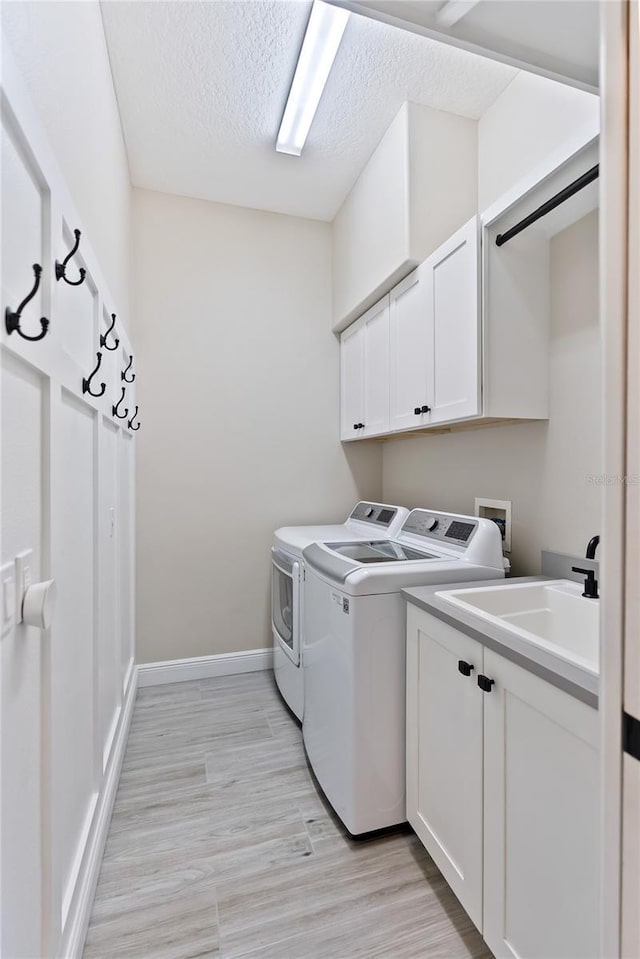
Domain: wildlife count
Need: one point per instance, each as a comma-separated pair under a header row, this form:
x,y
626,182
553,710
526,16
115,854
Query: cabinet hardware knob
x,y
485,683
360,426
417,411
355,426
465,668
425,409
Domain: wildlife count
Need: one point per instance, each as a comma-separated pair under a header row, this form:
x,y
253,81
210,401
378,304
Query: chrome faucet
x,y
592,547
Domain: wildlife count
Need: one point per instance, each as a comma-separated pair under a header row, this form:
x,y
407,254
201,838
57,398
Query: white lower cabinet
x,y
502,789
444,753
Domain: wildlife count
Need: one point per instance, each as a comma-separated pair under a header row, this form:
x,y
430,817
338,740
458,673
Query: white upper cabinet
x,y
469,328
351,381
453,294
418,187
376,369
364,374
411,353
413,359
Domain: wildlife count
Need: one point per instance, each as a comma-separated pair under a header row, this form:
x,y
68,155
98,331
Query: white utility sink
x,y
554,615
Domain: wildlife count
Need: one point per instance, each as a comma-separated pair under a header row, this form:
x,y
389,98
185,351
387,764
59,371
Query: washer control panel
x,y
374,513
442,527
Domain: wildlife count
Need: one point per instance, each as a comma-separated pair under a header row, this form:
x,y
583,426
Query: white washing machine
x,y
354,653
287,585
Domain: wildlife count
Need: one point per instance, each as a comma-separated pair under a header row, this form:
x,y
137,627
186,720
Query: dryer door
x,y
285,603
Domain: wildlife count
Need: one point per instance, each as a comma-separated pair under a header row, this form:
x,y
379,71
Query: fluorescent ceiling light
x,y
319,47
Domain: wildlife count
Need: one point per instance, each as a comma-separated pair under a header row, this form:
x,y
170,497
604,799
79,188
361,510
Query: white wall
x,y
545,469
240,428
60,50
531,119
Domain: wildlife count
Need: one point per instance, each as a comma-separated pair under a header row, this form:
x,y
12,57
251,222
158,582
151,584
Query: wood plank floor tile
x,y
184,927
222,845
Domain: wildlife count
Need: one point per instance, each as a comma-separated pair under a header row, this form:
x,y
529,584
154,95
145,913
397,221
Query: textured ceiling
x,y
202,86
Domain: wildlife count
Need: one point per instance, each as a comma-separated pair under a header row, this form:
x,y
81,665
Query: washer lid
x,y
379,551
338,560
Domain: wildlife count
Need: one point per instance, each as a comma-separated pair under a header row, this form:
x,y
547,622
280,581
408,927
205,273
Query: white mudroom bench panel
x,y
67,481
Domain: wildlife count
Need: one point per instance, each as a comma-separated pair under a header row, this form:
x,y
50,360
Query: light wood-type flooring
x,y
221,845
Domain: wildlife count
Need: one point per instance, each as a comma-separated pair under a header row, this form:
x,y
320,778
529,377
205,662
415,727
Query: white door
x,y
541,775
411,353
452,277
352,382
375,323
444,752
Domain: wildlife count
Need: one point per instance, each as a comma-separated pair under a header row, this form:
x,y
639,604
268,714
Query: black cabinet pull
x,y
360,426
465,668
485,683
417,411
425,409
355,426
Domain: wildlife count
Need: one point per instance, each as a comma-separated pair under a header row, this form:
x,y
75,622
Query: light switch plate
x,y
24,564
7,598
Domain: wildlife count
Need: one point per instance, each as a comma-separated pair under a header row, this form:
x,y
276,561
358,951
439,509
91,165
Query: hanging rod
x,y
550,205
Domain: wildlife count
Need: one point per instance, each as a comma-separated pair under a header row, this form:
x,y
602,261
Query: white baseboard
x,y
77,923
204,667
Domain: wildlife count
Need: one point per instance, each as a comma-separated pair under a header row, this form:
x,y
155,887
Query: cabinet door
x,y
541,868
452,278
351,382
411,352
444,752
376,369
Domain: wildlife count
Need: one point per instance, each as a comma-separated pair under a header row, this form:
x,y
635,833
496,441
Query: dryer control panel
x,y
374,513
442,527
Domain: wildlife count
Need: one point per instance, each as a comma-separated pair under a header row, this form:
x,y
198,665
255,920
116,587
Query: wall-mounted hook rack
x,y
12,318
130,423
61,267
86,383
123,374
114,409
103,336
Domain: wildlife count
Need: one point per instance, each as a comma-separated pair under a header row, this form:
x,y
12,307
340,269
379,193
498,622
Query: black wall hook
x,y
130,423
61,267
114,409
12,319
86,383
103,336
123,374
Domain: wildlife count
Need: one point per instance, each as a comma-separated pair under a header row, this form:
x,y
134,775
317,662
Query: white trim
x,y
204,667
613,271
578,145
75,931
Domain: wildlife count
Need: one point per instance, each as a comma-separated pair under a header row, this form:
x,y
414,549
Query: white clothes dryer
x,y
379,520
354,653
